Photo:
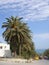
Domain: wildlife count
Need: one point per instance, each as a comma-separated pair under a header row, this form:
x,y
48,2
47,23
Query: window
x,y
0,47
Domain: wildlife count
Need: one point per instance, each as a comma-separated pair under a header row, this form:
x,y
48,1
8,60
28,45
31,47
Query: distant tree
x,y
17,34
46,53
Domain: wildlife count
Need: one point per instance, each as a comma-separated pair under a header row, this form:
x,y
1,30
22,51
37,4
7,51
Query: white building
x,y
5,50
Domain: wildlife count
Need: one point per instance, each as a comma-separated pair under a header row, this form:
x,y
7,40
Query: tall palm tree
x,y
17,34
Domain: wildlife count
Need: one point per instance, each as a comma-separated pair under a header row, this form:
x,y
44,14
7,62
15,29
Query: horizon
x,y
35,14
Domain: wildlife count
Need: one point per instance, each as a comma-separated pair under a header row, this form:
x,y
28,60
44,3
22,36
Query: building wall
x,y
5,50
4,46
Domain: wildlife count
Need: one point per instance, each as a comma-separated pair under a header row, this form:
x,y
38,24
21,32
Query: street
x,y
35,62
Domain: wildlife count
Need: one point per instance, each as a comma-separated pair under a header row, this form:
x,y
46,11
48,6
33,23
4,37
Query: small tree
x,y
46,53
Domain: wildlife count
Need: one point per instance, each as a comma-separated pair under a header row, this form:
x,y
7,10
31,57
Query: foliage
x,y
26,53
17,34
46,53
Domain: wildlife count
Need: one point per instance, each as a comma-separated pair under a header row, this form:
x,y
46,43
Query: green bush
x,y
46,53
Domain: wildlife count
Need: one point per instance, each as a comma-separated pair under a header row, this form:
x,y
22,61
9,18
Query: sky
x,y
34,12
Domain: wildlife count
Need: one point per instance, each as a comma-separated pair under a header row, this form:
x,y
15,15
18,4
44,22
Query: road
x,y
38,62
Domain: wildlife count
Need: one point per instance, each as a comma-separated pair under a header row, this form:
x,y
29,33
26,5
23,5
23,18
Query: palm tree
x,y
17,34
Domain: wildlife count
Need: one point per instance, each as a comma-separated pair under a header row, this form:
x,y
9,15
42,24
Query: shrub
x,y
46,53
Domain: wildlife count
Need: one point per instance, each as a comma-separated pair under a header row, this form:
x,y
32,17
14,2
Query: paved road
x,y
38,62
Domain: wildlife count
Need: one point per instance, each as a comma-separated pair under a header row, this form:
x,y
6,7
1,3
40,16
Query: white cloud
x,y
30,9
8,1
42,36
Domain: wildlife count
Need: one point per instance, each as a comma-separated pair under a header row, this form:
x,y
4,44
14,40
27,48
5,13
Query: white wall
x,y
5,46
5,50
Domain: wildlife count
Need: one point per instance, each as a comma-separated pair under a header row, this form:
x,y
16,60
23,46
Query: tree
x,y
17,34
46,53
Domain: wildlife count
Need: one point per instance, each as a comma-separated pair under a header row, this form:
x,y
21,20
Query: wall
x,y
5,50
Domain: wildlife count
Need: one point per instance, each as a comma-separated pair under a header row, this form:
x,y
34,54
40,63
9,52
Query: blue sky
x,y
34,12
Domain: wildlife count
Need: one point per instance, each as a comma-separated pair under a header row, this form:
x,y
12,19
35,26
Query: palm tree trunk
x,y
20,50
14,53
